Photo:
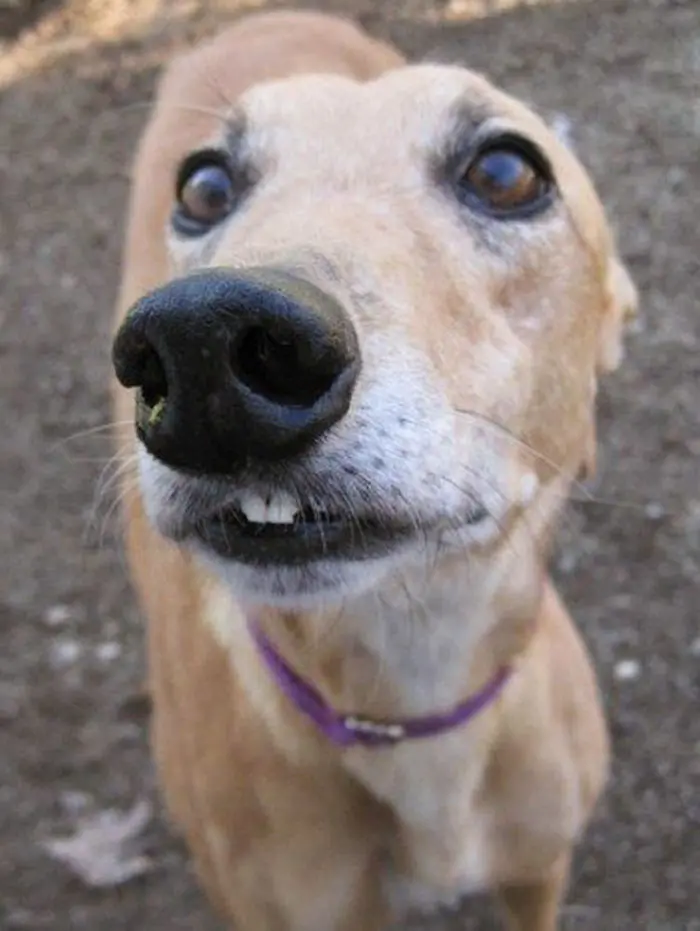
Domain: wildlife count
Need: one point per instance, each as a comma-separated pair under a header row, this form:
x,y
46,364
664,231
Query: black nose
x,y
236,366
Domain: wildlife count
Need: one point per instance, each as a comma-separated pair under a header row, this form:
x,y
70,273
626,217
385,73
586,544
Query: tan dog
x,y
366,376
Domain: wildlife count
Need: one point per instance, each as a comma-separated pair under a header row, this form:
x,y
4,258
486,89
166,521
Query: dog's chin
x,y
301,567
308,580
321,582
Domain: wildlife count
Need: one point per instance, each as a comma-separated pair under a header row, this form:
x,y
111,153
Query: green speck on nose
x,y
156,412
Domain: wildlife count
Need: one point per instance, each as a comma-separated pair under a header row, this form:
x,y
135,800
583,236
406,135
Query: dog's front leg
x,y
287,879
312,906
535,906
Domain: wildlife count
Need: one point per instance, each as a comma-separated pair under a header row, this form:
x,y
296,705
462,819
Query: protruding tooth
x,y
278,509
281,510
254,508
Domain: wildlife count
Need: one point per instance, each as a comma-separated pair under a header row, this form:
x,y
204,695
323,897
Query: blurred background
x,y
83,842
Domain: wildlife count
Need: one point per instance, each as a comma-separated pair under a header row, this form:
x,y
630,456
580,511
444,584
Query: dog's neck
x,y
418,645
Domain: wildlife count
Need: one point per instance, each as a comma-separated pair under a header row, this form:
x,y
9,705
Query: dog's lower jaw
x,y
329,582
315,586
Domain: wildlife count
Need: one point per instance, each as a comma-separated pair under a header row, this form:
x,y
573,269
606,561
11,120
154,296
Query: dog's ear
x,y
621,301
620,306
620,293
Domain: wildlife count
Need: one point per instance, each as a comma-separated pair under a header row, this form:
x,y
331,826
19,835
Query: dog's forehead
x,y
420,104
389,127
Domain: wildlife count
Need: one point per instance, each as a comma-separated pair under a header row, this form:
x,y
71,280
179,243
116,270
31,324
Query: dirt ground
x,y
73,726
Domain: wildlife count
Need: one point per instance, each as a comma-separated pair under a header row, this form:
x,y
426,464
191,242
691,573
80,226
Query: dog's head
x,y
378,338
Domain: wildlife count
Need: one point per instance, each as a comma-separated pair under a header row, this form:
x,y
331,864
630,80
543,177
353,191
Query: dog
x,y
365,306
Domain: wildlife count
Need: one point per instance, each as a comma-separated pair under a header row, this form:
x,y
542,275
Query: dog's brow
x,y
236,133
463,120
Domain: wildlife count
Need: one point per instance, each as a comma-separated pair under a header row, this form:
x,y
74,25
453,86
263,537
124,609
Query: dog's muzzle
x,y
236,367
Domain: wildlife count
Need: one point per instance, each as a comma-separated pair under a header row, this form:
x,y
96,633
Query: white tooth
x,y
281,510
254,508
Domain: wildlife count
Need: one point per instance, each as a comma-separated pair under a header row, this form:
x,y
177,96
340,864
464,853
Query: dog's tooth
x,y
254,508
281,510
276,509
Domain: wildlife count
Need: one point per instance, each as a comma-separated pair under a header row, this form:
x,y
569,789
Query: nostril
x,y
137,364
152,380
281,368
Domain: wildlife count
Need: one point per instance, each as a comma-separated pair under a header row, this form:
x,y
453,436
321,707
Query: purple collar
x,y
348,730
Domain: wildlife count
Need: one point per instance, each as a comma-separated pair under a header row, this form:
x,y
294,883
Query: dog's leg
x,y
282,886
365,910
535,906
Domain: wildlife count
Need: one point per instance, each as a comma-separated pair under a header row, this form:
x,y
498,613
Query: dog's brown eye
x,y
506,180
205,195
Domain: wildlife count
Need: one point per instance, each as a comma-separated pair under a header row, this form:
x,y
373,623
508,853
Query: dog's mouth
x,y
279,532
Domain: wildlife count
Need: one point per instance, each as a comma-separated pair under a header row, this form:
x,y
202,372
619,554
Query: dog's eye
x,y
206,194
507,178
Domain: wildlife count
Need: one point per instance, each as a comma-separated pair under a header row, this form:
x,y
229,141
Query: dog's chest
x,y
441,849
442,845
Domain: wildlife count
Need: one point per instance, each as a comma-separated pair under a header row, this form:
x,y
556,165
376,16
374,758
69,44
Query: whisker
x,y
470,494
587,496
115,508
325,631
92,460
149,104
505,431
91,431
374,686
107,481
216,88
355,520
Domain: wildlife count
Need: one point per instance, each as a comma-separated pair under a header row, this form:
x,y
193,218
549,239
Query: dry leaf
x,y
104,849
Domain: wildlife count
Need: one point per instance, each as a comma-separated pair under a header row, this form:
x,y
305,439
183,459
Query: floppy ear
x,y
620,306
